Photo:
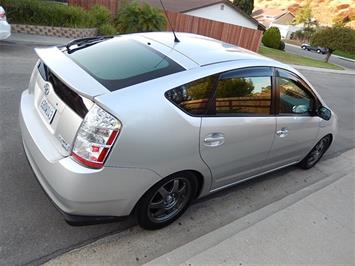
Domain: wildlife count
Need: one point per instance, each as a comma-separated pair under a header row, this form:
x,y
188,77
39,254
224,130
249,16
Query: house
x,y
218,10
280,18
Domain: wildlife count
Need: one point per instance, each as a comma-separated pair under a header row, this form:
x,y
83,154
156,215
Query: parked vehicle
x,y
5,28
319,50
142,124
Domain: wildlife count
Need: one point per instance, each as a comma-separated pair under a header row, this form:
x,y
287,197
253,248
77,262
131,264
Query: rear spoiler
x,y
70,73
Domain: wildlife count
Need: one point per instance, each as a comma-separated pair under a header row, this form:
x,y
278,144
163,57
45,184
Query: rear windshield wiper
x,y
85,42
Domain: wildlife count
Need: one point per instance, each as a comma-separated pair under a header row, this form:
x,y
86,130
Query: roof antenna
x,y
175,38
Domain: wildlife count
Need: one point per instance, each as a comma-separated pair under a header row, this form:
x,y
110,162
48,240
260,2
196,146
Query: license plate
x,y
47,110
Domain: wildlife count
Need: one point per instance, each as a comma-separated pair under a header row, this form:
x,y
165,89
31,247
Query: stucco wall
x,y
227,15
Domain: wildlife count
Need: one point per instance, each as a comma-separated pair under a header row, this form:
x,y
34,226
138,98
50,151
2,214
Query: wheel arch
x,y
199,179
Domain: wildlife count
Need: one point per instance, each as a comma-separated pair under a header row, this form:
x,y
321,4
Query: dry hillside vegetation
x,y
325,11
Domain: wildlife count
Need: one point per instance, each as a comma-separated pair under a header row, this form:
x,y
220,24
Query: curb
x,y
325,70
41,40
184,253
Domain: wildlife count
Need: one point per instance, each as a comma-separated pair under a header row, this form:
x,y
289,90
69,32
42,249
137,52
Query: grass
x,y
295,59
344,54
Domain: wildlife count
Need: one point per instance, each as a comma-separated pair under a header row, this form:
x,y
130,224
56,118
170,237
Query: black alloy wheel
x,y
316,153
166,201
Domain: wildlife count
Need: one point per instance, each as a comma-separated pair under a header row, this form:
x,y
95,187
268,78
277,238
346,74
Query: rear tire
x,y
166,201
316,153
319,51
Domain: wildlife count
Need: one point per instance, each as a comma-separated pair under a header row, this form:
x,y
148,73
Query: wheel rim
x,y
318,151
169,199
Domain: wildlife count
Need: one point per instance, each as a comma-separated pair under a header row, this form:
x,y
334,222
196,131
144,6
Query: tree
x,y
335,38
246,5
304,15
272,38
136,17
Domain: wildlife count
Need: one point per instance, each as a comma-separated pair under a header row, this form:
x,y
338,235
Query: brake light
x,y
2,16
95,137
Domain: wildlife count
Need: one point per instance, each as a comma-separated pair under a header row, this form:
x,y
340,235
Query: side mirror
x,y
299,109
325,113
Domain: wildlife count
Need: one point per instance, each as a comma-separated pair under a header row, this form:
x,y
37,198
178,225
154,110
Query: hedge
x,y
40,12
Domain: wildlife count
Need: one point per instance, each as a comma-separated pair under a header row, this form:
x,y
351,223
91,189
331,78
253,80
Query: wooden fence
x,y
241,36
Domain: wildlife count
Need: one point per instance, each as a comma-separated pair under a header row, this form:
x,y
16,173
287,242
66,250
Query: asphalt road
x,y
333,59
33,231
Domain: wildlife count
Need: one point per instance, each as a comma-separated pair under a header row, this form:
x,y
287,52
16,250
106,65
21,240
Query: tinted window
x,y
194,96
294,99
119,63
244,95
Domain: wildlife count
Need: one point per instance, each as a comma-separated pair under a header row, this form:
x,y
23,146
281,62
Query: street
x,y
333,59
33,231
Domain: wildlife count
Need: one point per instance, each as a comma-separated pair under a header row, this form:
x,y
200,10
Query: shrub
x,y
136,17
272,38
107,29
37,12
282,46
335,38
101,15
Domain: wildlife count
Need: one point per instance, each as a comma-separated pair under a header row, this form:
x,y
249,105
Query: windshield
x,y
120,62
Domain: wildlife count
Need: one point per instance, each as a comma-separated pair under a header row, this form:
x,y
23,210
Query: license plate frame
x,y
47,109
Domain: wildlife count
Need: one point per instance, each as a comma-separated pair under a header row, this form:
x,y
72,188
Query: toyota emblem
x,y
46,89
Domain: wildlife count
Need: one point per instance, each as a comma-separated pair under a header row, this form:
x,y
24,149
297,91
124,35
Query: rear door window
x,y
244,92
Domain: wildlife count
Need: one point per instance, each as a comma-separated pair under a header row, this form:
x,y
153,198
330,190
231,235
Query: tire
x,y
303,47
166,201
316,153
319,51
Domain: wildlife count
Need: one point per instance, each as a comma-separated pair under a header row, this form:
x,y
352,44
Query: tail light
x,y
95,137
2,15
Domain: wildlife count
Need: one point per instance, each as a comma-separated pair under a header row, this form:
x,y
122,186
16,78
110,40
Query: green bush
x,y
135,17
101,15
272,38
39,12
282,46
107,29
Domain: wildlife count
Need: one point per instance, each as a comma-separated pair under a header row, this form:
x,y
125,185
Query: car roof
x,y
203,50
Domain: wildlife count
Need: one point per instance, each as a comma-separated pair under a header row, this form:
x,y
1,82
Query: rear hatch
x,y
67,80
63,93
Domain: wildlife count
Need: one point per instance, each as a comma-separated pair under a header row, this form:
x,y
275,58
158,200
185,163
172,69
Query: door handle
x,y
214,140
283,132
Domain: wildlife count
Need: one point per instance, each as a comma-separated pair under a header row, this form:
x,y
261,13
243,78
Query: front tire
x,y
316,153
166,201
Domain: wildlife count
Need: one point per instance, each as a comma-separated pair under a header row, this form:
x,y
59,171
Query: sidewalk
x,y
314,225
346,71
319,229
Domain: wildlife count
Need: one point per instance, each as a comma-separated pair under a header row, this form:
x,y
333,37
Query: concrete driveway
x,y
32,230
333,59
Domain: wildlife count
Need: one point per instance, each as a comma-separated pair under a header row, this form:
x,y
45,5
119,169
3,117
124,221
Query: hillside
x,y
323,10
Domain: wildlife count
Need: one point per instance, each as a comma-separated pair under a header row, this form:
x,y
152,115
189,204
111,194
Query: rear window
x,y
119,63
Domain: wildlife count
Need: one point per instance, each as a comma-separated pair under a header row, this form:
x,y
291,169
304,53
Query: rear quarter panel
x,y
155,134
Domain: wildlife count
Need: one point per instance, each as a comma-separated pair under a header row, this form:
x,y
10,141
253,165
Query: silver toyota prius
x,y
142,124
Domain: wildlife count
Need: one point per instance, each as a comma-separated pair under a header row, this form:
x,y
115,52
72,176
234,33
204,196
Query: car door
x,y
297,122
237,133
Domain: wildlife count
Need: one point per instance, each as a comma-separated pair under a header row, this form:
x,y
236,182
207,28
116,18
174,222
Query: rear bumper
x,y
75,189
5,30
